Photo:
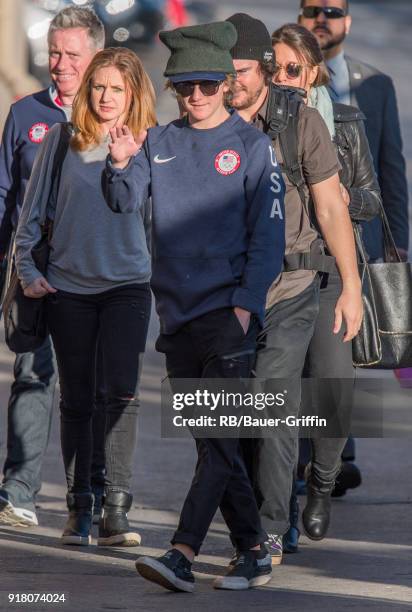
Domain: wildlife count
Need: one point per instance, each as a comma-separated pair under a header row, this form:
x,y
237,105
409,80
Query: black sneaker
x,y
250,569
263,548
172,571
79,523
114,528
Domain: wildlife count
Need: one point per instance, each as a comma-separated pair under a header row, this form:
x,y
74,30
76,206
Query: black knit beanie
x,y
253,38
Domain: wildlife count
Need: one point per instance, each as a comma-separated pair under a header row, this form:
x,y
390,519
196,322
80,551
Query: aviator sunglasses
x,y
186,88
330,12
293,70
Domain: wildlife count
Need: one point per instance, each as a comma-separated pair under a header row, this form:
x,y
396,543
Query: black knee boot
x,y
114,527
79,523
316,515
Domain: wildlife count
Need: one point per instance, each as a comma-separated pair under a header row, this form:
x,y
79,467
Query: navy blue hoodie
x,y
218,216
28,121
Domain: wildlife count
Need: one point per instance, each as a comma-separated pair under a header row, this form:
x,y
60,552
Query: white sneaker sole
x,y
74,540
153,570
240,584
16,517
122,539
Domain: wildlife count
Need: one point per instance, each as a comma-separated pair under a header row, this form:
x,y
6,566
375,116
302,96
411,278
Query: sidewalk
x,y
366,563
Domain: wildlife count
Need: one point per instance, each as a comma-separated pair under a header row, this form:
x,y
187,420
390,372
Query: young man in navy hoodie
x,y
218,243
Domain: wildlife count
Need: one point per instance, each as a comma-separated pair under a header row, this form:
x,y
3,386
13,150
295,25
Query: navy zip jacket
x,y
218,216
27,123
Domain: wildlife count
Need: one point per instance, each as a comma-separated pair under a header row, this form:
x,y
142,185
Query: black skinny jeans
x,y
119,318
329,357
215,346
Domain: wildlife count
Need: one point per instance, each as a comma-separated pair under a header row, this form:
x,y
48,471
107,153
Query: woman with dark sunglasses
x,y
218,244
300,64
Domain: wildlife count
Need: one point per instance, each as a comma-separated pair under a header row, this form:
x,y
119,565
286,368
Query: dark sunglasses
x,y
293,70
186,88
330,12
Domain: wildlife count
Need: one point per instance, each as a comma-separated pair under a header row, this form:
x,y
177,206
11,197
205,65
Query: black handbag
x,y
385,338
25,322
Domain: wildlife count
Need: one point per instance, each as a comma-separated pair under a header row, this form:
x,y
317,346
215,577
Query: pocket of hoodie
x,y
192,277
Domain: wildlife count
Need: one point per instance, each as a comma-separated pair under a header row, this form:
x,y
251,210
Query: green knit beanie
x,y
200,48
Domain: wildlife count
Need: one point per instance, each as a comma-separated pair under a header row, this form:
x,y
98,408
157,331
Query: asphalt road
x,y
366,561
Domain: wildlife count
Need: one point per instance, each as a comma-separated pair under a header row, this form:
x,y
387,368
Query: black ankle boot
x,y
316,515
291,537
79,523
114,527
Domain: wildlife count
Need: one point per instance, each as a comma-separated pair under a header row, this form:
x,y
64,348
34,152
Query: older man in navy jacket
x,y
75,35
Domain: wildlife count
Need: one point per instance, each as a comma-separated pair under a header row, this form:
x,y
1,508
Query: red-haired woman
x,y
97,285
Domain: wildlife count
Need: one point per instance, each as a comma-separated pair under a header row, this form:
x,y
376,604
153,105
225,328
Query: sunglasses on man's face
x,y
330,12
186,88
293,70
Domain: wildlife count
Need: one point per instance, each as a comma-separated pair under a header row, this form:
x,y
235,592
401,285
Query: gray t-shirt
x,y
93,249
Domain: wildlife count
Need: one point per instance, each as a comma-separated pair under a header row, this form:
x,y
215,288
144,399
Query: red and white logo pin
x,y
227,162
38,131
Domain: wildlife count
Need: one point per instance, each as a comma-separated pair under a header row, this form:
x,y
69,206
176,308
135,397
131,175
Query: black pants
x,y
329,357
119,318
203,349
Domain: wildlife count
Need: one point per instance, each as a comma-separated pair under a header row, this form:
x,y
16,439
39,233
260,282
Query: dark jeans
x,y
215,346
328,357
119,320
282,347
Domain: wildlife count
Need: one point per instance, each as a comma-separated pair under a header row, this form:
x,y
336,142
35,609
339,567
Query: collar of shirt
x,y
55,98
259,120
337,64
339,85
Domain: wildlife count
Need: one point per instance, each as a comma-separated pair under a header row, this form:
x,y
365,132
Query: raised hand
x,y
124,145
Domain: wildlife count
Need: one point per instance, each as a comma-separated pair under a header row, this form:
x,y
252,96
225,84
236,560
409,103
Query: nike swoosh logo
x,y
157,159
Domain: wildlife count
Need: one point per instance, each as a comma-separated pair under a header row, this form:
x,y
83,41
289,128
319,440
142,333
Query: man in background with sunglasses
x,y
353,82
356,83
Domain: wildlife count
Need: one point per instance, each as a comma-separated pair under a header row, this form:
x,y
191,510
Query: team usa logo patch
x,y
37,132
227,162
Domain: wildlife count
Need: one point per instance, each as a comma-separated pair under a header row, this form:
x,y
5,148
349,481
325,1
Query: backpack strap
x,y
66,132
282,119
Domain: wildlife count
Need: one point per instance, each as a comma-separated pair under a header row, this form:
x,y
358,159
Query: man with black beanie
x,y
310,173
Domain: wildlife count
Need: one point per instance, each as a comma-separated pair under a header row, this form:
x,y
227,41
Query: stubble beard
x,y
249,100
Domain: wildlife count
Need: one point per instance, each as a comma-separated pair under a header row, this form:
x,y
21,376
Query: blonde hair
x,y
141,114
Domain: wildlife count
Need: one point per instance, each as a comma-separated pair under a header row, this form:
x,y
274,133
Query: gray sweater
x,y
92,249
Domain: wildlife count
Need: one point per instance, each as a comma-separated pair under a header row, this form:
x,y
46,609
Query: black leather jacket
x,y
357,173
